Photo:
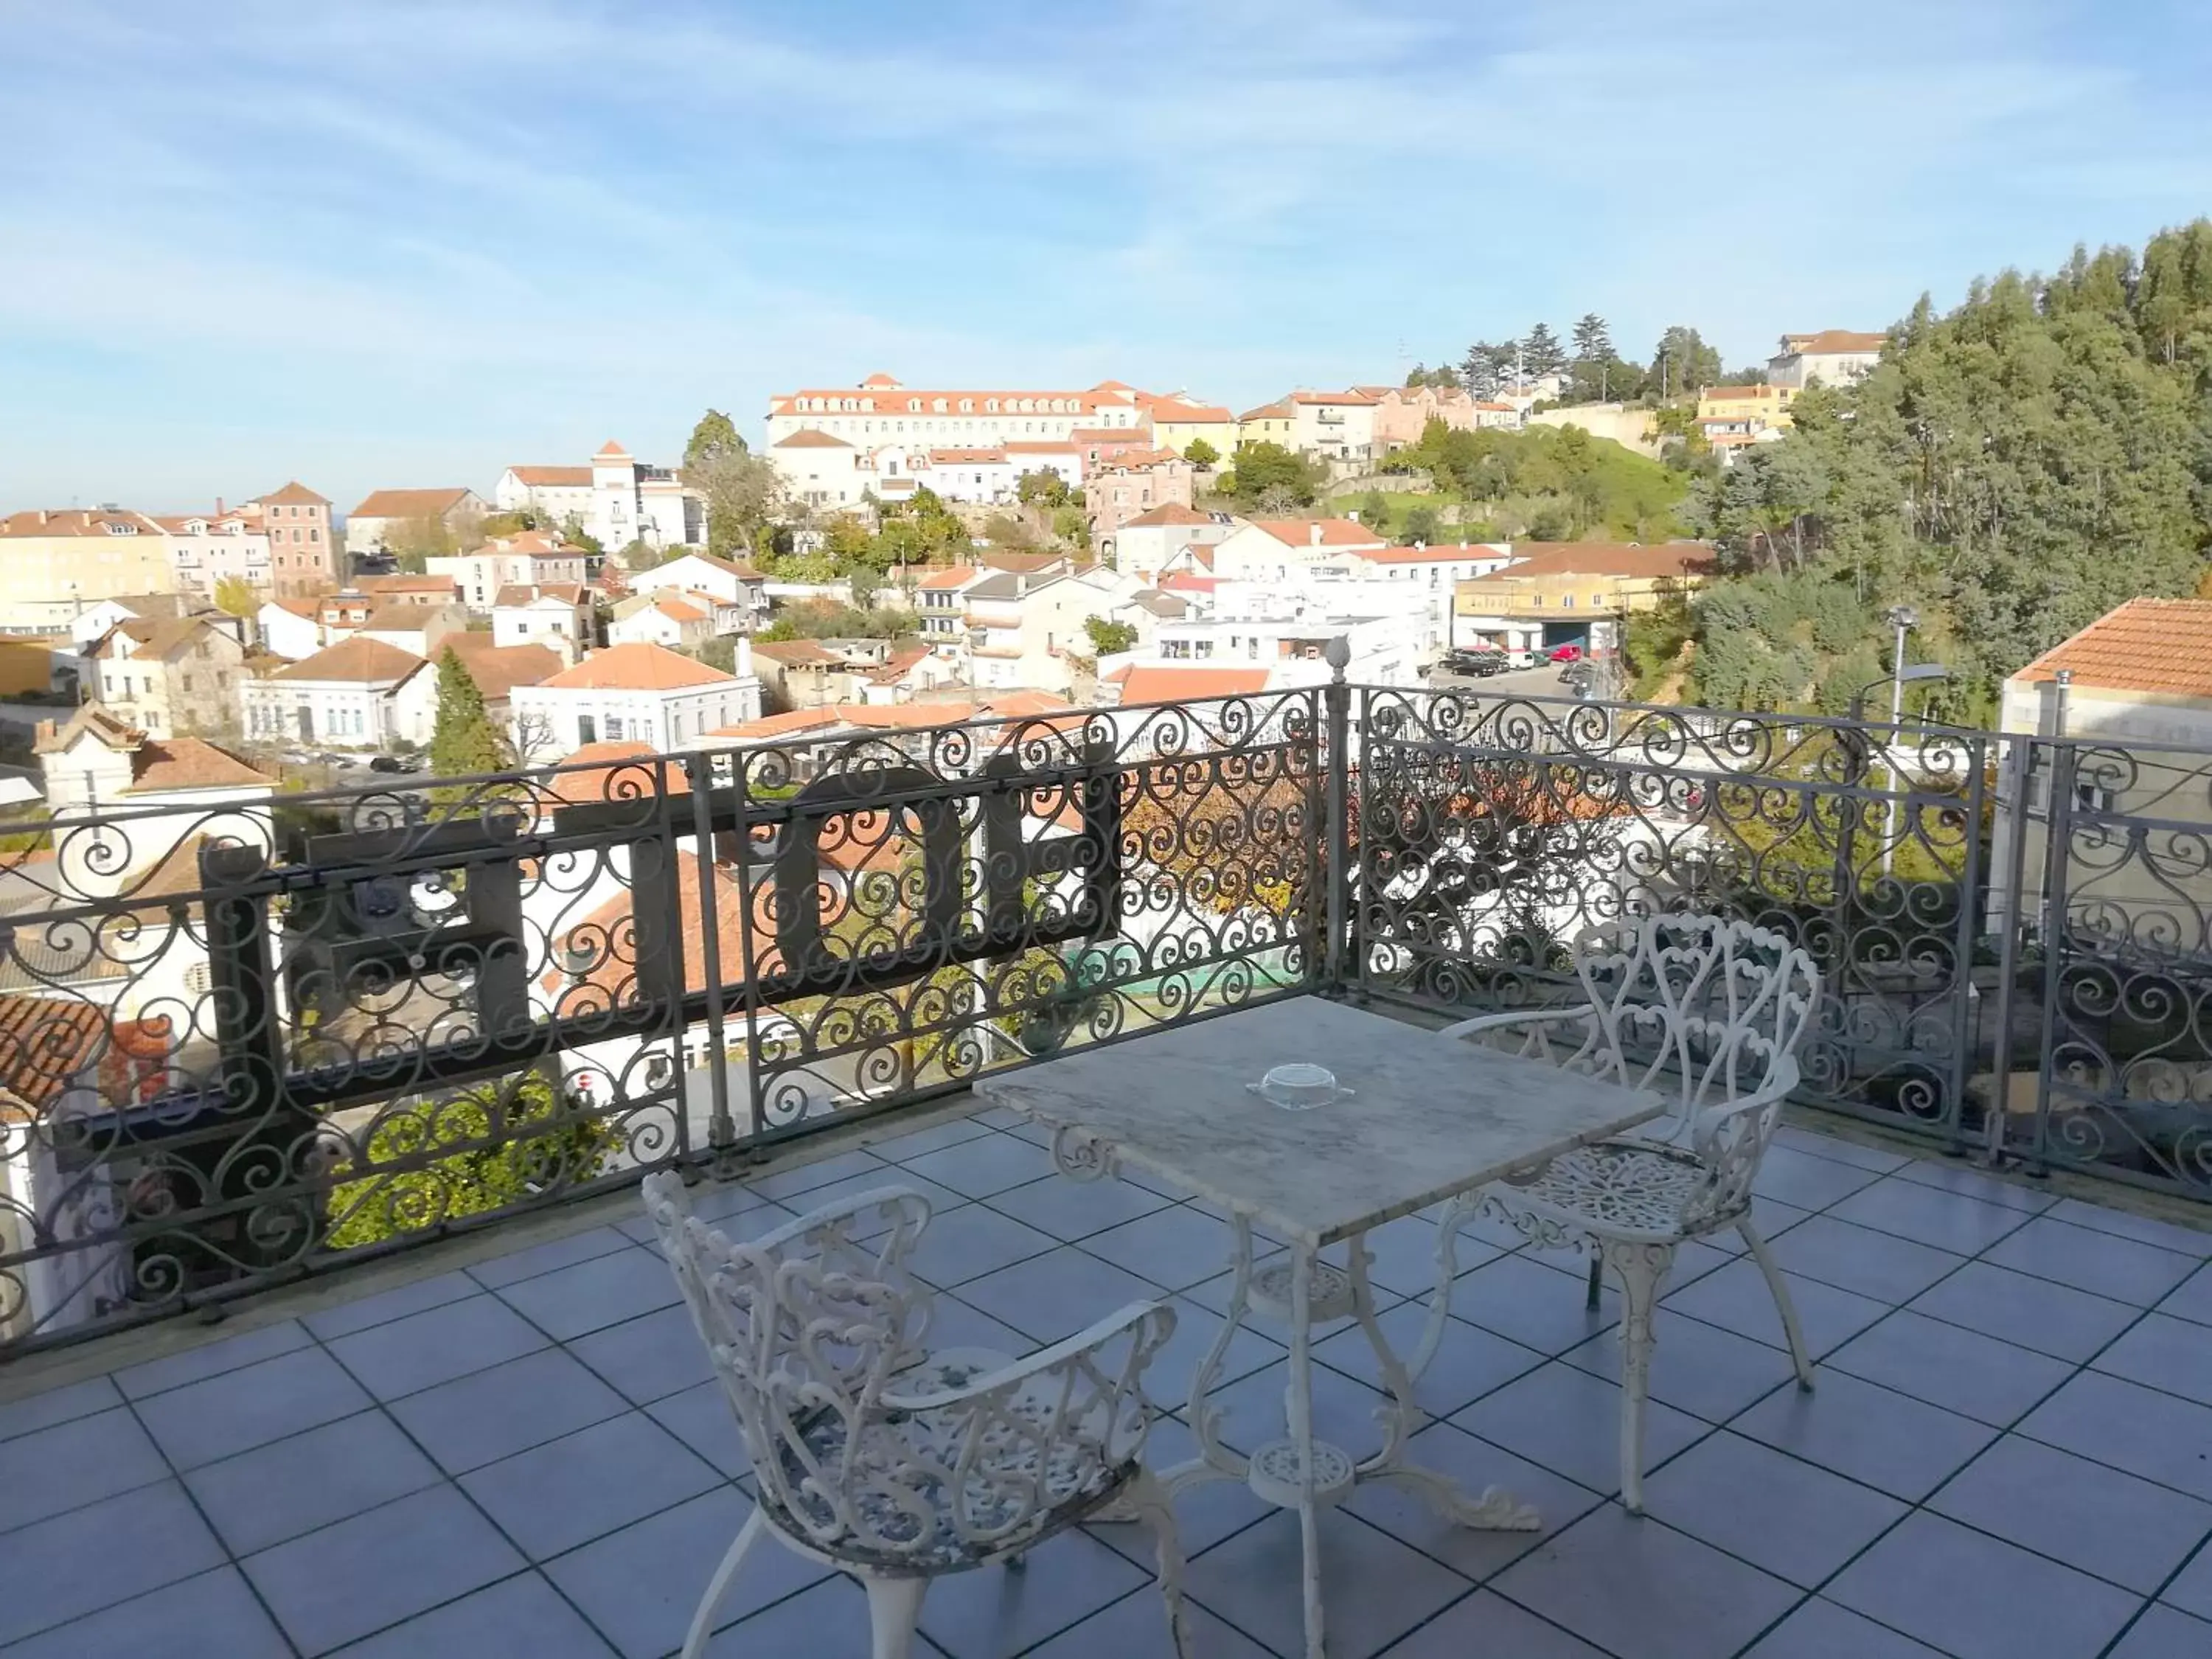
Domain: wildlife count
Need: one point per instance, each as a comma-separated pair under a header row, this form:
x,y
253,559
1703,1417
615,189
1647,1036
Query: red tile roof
x,y
1335,532
1345,397
639,668
498,669
541,478
75,522
952,575
2161,647
357,661
1140,684
189,764
611,777
611,451
1168,512
410,503
295,492
810,439
1685,559
1836,339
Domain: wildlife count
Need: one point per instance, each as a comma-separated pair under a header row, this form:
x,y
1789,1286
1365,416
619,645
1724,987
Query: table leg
x,y
1497,1510
1298,1404
1216,1462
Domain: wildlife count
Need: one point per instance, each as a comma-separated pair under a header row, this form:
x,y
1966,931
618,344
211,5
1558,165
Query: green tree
x,y
1421,525
1042,488
1487,366
716,434
1541,353
1268,472
414,542
641,554
512,1143
234,596
1593,339
1681,364
573,533
1199,453
463,742
1375,512
1108,637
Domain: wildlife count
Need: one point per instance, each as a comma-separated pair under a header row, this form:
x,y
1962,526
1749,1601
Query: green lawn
x,y
1401,501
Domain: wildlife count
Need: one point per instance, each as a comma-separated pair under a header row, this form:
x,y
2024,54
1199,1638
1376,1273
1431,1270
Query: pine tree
x,y
465,741
1541,353
715,434
1593,340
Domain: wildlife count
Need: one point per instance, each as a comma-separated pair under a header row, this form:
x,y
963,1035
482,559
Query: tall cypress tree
x,y
465,741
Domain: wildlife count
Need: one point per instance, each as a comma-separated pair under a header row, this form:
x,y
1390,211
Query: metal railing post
x,y
1336,700
2014,814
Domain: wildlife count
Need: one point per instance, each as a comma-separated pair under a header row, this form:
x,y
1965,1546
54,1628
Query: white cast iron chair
x,y
1710,1011
872,1454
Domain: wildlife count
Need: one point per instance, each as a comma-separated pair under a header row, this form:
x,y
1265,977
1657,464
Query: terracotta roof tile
x,y
410,503
497,669
1166,513
611,776
1149,685
544,477
639,668
1604,559
295,493
357,661
1335,532
189,764
1835,339
2162,646
810,439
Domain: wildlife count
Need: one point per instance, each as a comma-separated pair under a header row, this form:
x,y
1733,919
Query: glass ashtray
x,y
1299,1087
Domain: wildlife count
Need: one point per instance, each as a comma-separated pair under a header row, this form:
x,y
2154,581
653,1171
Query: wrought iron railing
x,y
258,1038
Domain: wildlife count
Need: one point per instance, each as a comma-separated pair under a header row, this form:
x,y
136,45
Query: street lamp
x,y
1899,677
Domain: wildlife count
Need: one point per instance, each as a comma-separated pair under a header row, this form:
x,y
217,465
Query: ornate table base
x,y
1300,1471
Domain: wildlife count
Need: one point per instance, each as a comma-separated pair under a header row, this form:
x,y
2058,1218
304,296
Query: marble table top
x,y
1429,1116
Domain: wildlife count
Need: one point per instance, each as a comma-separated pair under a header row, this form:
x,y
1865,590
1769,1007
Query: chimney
x,y
1419,546
1313,535
218,507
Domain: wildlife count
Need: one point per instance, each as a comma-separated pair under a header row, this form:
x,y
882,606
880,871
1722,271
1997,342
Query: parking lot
x,y
1542,681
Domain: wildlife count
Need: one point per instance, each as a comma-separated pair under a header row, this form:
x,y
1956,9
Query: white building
x,y
1278,549
418,630
559,617
208,548
290,628
1143,547
881,410
360,693
1333,426
1833,356
733,585
528,558
633,501
665,617
639,693
556,494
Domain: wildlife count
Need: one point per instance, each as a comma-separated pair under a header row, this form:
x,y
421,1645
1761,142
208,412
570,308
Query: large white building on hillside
x,y
617,498
881,410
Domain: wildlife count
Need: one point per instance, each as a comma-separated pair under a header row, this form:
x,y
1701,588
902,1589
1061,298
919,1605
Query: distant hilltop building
x,y
616,499
1834,356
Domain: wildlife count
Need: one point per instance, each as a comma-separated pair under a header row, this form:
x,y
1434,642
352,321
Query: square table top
x,y
1430,1116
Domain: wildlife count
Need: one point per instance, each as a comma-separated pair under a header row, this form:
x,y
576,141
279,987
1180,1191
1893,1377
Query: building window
x,y
587,730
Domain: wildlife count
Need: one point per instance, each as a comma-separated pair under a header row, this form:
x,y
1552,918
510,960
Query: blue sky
x,y
369,243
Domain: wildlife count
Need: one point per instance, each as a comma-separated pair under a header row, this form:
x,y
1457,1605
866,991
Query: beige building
x,y
384,512
1270,424
530,558
179,677
1834,356
1333,426
1132,482
55,565
1573,592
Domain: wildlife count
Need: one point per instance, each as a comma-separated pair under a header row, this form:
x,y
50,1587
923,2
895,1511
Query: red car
x,y
1567,654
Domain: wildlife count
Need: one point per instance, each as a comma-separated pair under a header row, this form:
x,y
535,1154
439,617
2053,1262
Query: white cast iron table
x,y
1427,1118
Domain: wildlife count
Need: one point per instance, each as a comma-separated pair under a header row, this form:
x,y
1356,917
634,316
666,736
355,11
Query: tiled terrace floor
x,y
2010,1455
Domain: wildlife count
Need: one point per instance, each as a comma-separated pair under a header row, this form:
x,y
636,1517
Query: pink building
x,y
1133,481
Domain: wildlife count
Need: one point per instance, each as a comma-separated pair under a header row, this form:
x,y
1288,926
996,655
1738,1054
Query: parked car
x,y
1567,654
388,763
1522,658
1480,664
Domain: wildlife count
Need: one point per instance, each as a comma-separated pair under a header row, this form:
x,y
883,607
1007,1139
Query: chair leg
x,y
1640,1268
1596,1278
894,1607
1782,1304
1150,1500
703,1622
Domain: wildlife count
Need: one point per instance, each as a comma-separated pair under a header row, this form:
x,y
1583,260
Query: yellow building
x,y
1176,424
1272,423
1760,406
54,564
1561,592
